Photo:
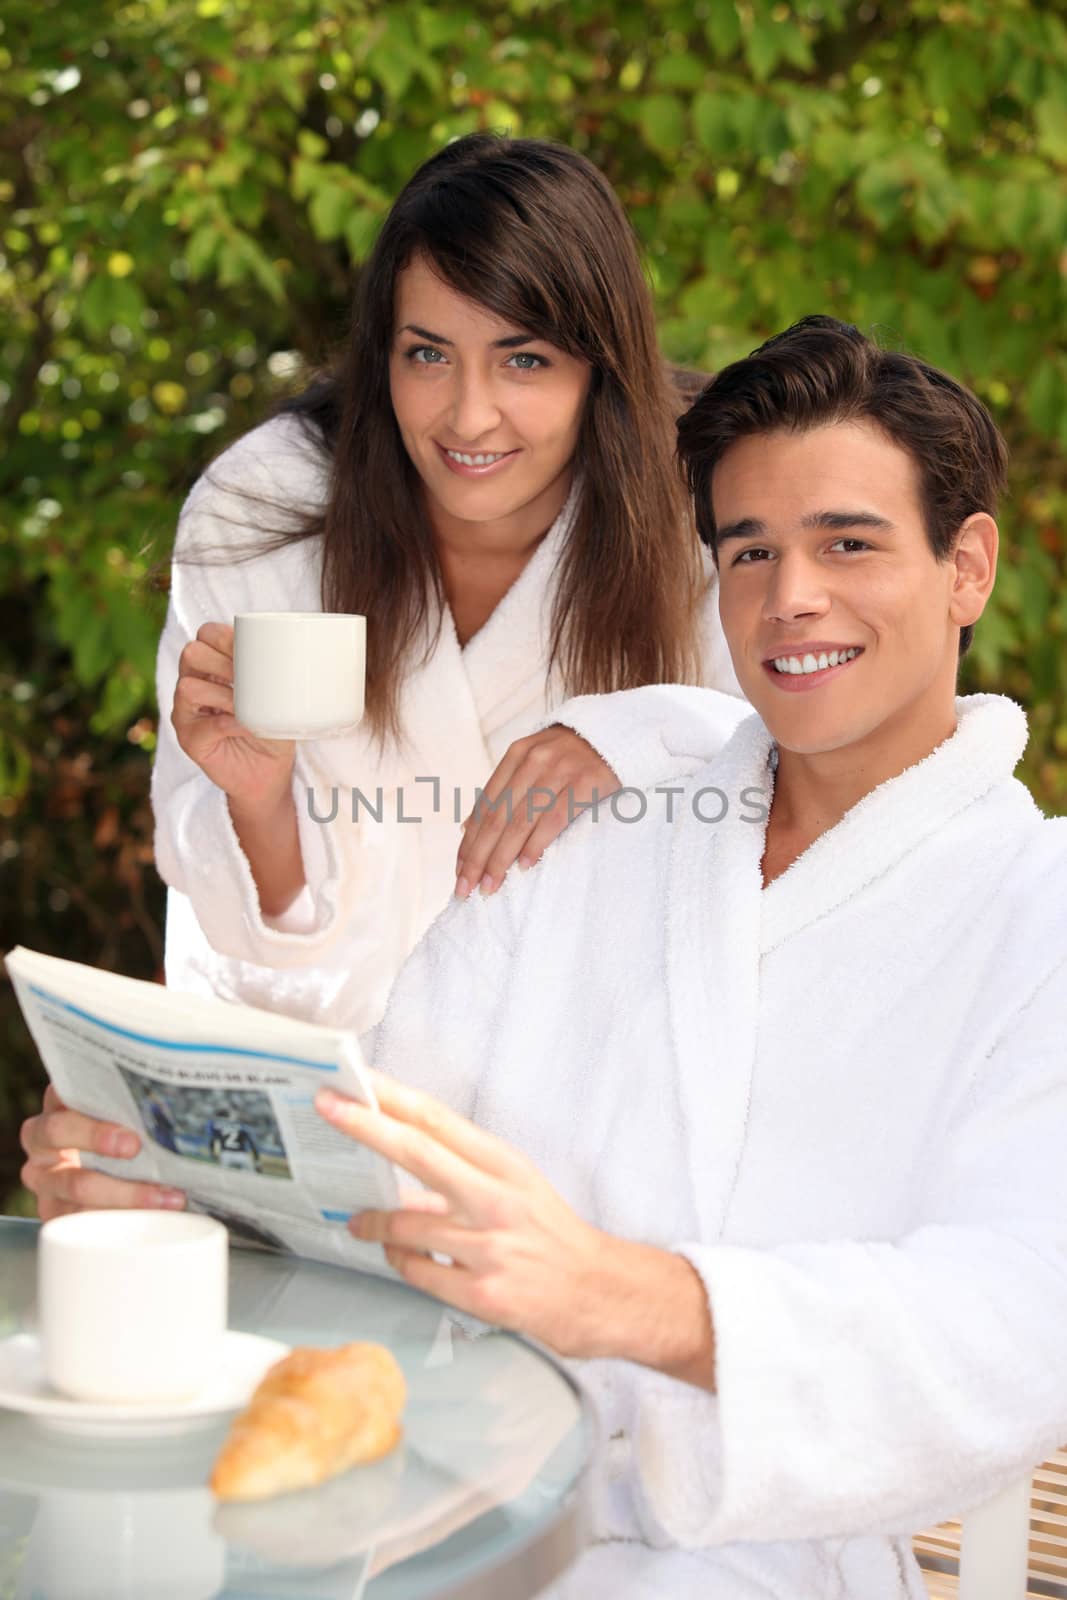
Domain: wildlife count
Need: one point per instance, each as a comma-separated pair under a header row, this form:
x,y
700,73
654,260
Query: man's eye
x,y
857,544
756,553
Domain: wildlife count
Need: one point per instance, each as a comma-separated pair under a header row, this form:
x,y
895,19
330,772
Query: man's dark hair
x,y
822,371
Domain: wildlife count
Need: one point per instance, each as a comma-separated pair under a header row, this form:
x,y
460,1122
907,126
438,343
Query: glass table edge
x,y
547,1552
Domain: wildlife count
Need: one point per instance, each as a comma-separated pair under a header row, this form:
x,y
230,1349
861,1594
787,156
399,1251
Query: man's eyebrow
x,y
834,521
845,519
747,528
512,342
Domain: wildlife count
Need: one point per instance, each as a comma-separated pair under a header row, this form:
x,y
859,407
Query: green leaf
x,y
361,230
661,119
881,190
679,72
439,29
1045,398
723,28
108,301
763,48
1050,115
713,123
202,248
795,47
329,208
312,145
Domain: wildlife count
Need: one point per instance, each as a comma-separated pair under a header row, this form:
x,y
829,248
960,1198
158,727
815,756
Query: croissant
x,y
315,1414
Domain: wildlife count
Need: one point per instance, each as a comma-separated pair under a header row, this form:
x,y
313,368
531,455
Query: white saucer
x,y
23,1387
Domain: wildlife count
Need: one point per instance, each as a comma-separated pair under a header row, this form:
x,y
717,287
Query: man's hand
x,y
542,783
520,1257
53,1141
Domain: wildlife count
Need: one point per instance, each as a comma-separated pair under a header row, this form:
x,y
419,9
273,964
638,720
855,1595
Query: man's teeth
x,y
810,663
475,461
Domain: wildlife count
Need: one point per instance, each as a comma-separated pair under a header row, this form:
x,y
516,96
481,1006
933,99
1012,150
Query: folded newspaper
x,y
223,1098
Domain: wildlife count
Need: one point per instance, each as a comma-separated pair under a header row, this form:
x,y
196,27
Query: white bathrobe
x,y
373,887
843,1098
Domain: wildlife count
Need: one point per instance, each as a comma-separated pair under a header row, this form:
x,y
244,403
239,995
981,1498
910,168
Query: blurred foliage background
x,y
188,187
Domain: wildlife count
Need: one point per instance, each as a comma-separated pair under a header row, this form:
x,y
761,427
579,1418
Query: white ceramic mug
x,y
131,1304
299,674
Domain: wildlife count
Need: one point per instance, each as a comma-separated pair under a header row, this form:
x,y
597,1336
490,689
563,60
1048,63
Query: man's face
x,y
824,562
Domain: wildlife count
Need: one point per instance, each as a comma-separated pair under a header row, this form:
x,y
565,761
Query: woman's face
x,y
489,415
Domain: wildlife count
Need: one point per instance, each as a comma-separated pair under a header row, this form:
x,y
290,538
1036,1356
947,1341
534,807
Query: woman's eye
x,y
525,356
424,355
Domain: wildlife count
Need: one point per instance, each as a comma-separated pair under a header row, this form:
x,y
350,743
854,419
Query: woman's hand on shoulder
x,y
54,1141
255,773
540,786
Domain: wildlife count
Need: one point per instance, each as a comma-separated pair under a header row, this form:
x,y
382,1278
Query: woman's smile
x,y
476,463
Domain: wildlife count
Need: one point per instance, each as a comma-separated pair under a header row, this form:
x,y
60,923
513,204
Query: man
x,y
768,1091
230,1142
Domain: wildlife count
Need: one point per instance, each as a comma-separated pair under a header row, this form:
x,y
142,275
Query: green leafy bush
x,y
187,188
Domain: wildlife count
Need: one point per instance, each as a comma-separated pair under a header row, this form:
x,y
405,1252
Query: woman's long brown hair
x,y
532,232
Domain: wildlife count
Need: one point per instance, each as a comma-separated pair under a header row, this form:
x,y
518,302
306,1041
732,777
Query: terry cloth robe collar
x,y
721,920
491,674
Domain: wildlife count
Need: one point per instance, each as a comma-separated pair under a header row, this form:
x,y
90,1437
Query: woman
x,y
497,493
489,477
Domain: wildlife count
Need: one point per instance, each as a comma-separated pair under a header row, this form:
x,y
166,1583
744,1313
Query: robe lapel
x,y
456,702
505,661
443,732
898,816
713,937
720,920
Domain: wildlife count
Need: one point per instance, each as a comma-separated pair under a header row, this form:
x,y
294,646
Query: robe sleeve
x,y
660,734
445,1006
879,1386
196,847
663,733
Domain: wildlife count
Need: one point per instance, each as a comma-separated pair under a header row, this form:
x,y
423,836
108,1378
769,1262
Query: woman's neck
x,y
480,561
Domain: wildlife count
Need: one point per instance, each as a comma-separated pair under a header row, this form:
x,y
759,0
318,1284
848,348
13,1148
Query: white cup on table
x,y
131,1304
299,674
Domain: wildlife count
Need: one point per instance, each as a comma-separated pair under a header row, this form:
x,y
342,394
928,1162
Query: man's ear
x,y
975,561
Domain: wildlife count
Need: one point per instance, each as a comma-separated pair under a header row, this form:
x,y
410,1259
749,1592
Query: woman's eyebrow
x,y
512,341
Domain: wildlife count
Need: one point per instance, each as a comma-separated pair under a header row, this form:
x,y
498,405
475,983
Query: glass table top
x,y
485,1498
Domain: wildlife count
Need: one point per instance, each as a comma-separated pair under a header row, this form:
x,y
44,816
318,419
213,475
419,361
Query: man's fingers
x,y
447,1127
45,1135
455,1287
416,1230
87,1190
442,1150
423,1200
410,1148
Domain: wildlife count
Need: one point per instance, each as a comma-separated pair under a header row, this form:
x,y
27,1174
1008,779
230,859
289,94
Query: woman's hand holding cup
x,y
54,1140
255,773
